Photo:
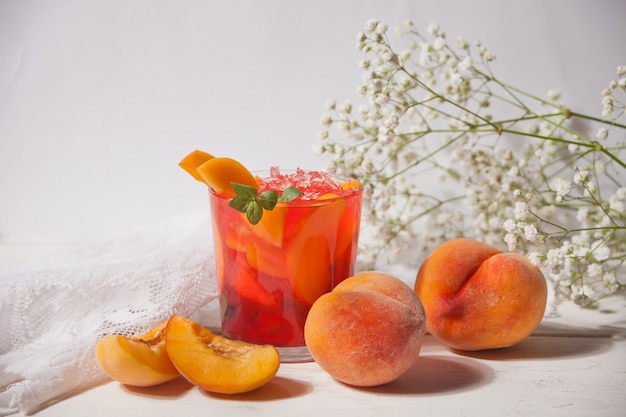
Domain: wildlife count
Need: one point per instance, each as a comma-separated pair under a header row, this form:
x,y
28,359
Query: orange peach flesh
x,y
217,364
138,361
192,161
220,172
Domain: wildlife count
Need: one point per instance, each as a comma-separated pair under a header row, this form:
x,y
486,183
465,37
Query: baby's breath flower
x,y
530,233
554,95
581,177
562,187
381,28
554,257
466,64
535,258
371,25
433,29
522,211
511,241
510,226
609,282
429,147
346,107
326,121
600,251
439,44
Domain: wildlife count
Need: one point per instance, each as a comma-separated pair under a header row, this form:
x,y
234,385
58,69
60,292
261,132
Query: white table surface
x,y
573,365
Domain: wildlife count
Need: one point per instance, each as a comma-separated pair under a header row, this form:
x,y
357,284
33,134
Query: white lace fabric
x,y
54,312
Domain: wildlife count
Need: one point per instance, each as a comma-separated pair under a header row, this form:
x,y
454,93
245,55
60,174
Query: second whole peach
x,y
477,297
367,331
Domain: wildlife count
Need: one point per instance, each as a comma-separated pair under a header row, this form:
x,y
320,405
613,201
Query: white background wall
x,y
99,100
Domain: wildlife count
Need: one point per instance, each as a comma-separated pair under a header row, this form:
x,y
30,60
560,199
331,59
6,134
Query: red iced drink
x,y
270,273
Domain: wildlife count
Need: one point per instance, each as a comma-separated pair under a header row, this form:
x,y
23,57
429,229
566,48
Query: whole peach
x,y
478,297
367,331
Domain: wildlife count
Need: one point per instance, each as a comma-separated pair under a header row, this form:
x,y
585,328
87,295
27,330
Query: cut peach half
x,y
219,173
138,361
192,161
218,364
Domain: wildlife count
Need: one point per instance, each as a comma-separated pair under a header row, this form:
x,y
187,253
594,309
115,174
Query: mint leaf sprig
x,y
248,200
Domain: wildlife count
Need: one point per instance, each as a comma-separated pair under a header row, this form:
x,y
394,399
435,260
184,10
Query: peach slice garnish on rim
x,y
138,361
219,173
193,160
215,363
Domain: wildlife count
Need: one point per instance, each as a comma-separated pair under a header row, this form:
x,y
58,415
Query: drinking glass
x,y
269,274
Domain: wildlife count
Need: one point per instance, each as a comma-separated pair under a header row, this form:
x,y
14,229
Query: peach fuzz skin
x,y
477,297
367,331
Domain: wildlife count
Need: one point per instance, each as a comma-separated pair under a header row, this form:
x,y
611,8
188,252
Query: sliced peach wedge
x,y
217,172
138,361
193,160
217,364
271,227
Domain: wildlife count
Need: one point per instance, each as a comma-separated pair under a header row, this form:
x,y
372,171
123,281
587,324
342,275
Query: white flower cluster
x,y
446,149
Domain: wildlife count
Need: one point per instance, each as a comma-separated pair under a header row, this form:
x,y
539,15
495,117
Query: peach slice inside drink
x,y
193,160
312,250
271,227
217,172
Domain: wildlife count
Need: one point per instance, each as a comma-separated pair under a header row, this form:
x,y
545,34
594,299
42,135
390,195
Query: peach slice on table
x,y
193,160
219,173
138,361
217,364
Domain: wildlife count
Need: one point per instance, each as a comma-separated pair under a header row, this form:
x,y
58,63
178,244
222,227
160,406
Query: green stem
x,y
447,100
592,145
597,119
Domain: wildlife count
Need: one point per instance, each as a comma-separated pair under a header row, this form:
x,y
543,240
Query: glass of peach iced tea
x,y
270,273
